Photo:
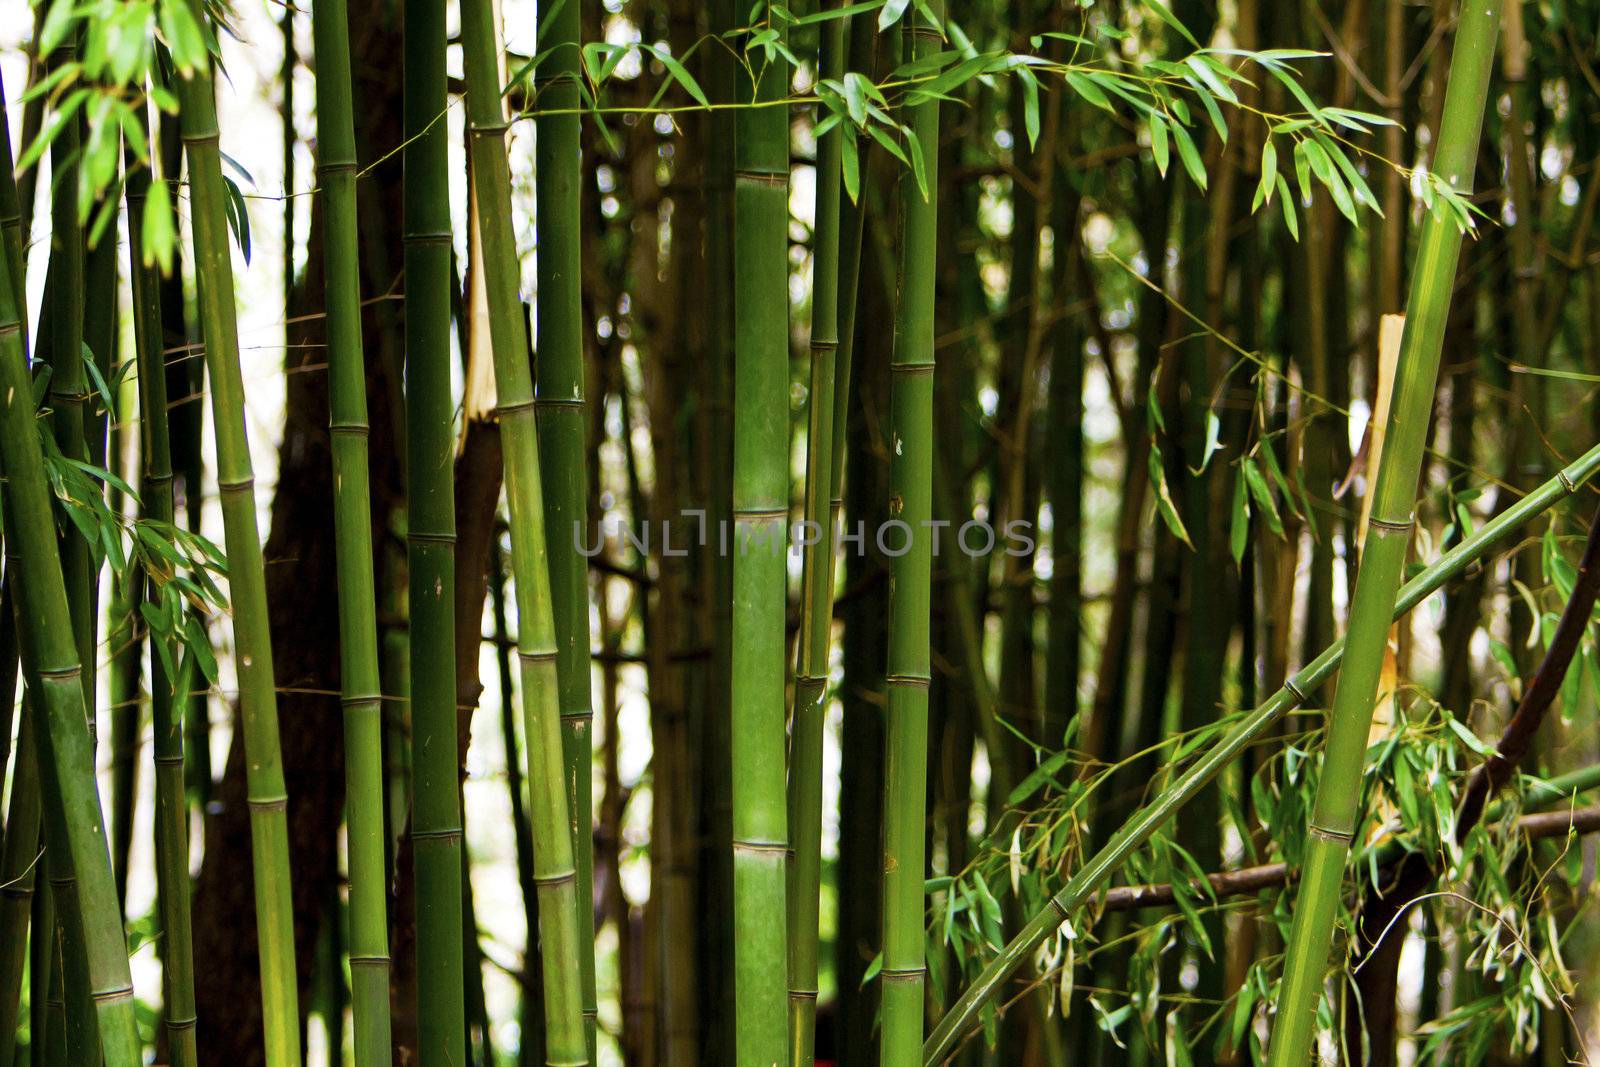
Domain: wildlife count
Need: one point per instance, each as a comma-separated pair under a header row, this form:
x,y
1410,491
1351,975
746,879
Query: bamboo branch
x,y
1150,818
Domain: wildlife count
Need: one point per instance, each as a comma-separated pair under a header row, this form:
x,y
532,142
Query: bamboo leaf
x,y
1261,493
1190,155
1088,89
850,164
1269,174
57,23
1158,142
855,92
1038,777
238,217
1029,84
1286,202
156,231
679,73
1213,442
1164,503
1165,14
1239,528
1208,76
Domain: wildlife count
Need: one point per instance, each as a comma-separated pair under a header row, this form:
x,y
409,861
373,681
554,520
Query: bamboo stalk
x,y
11,224
816,584
562,414
436,825
56,682
529,1016
68,390
41,958
167,695
361,688
761,512
554,868
19,863
1338,798
258,702
911,373
1152,816
714,949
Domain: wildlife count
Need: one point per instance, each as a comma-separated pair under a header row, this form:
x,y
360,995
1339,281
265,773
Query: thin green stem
x,y
1150,818
168,694
816,585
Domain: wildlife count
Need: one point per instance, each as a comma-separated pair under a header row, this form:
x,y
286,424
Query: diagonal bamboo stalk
x,y
361,688
1150,818
554,867
50,661
1334,812
258,701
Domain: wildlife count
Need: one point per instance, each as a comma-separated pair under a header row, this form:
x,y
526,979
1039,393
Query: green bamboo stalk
x,y
124,638
714,950
816,583
19,863
68,392
1294,692
185,390
167,694
436,827
910,578
562,417
554,866
258,702
528,1015
41,958
1334,813
8,686
76,1039
67,398
361,690
56,680
760,512
11,225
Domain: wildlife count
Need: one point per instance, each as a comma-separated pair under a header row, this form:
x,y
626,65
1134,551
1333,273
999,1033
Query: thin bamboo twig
x,y
1294,692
